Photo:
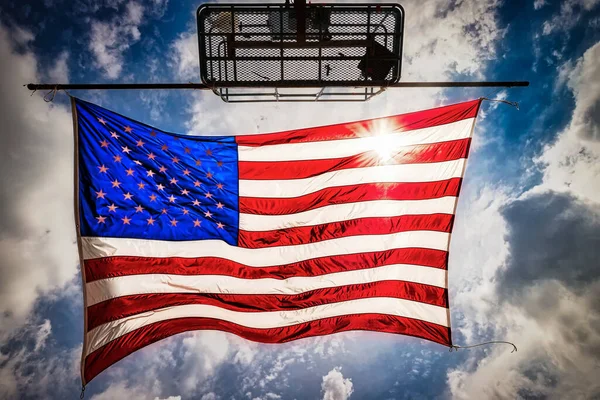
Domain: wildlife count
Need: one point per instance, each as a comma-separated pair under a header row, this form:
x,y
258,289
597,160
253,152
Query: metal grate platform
x,y
356,47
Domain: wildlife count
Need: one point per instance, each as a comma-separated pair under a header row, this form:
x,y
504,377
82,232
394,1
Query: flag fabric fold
x,y
273,237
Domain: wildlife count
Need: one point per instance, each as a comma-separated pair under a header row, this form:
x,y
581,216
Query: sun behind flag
x,y
272,237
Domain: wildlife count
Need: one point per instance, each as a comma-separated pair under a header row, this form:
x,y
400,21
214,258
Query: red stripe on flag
x,y
397,123
126,306
352,227
119,348
109,267
426,153
350,194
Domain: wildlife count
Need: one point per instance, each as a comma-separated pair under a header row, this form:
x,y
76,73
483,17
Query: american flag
x,y
273,237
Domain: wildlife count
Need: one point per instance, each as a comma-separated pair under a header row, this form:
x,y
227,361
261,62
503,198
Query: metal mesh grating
x,y
259,46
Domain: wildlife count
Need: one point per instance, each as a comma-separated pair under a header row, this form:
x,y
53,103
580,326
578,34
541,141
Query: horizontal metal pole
x,y
251,44
354,94
291,35
201,86
298,58
312,100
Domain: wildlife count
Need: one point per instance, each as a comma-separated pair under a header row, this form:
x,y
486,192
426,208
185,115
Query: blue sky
x,y
524,254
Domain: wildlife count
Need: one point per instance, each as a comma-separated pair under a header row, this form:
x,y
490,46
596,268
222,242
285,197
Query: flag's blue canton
x,y
136,181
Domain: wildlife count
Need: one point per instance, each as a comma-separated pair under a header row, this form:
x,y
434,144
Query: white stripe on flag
x,y
110,288
97,247
109,331
380,174
348,211
349,147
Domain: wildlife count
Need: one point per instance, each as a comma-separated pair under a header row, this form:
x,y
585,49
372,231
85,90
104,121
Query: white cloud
x,y
510,278
537,285
188,364
476,253
133,15
45,329
155,101
335,386
569,15
184,56
449,38
572,163
276,368
28,368
110,40
120,390
123,390
148,373
59,73
37,234
550,363
537,4
585,83
202,354
244,351
328,346
21,36
268,396
158,8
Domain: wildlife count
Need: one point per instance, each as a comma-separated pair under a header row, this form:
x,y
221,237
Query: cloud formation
x,y
584,81
59,73
569,15
34,364
551,236
37,234
110,39
541,292
572,162
335,386
510,279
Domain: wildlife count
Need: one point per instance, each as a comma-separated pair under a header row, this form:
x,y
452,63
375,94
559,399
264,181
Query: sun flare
x,y
385,147
383,139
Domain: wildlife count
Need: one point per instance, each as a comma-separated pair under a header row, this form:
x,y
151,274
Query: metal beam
x,y
266,44
201,86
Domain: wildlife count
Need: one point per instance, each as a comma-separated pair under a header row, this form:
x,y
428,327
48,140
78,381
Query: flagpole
x,y
201,86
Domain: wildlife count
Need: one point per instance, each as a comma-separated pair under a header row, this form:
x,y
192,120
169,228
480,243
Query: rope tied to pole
x,y
455,347
82,392
49,97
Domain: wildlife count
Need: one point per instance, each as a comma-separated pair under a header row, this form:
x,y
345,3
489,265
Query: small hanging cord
x,y
50,95
32,92
510,103
82,392
455,347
